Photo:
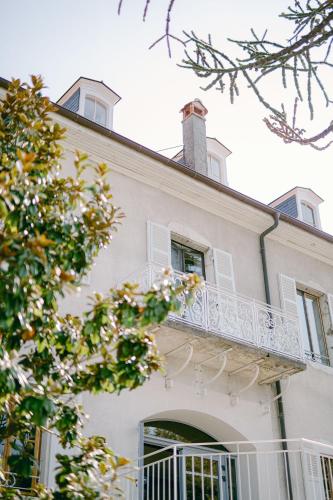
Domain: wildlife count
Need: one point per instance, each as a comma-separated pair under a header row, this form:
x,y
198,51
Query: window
x,y
13,452
311,327
308,214
95,111
186,259
214,168
327,470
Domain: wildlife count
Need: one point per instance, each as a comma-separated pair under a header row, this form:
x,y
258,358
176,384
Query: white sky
x,y
64,39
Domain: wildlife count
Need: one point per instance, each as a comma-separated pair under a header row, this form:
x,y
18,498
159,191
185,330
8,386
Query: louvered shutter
x,y
288,294
224,270
330,308
313,476
158,244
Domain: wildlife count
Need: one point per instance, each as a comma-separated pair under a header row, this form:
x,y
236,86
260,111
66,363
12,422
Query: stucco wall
x,y
308,402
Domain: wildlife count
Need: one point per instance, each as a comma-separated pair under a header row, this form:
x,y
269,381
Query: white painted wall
x,y
149,190
309,408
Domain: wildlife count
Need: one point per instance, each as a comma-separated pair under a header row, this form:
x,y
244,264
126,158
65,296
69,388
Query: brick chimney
x,y
194,136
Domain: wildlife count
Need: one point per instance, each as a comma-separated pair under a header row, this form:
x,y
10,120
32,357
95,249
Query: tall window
x,y
311,327
308,214
15,452
214,168
186,259
95,111
327,470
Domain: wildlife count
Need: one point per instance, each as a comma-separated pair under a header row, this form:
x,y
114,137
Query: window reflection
x,y
308,214
311,327
186,259
95,111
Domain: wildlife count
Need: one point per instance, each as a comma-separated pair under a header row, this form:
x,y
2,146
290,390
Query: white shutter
x,y
288,294
158,244
330,308
313,476
224,270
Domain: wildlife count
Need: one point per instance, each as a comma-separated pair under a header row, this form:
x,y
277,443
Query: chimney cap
x,y
194,107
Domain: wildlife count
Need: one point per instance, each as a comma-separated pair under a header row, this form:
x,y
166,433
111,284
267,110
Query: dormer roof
x,y
316,199
83,79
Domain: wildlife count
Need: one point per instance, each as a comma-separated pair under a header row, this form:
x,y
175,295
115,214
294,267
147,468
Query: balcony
x,y
260,470
256,332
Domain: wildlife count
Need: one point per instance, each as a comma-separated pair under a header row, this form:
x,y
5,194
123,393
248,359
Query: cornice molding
x,y
150,171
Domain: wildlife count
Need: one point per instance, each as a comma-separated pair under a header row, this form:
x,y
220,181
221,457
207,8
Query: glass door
x,y
173,466
204,475
201,475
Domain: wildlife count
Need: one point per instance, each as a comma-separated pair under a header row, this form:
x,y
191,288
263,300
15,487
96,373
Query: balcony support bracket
x,y
169,377
201,385
255,365
268,403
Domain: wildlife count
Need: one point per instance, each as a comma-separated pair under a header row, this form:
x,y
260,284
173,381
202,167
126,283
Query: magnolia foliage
x,y
52,227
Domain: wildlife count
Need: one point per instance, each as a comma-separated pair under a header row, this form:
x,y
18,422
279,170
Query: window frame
x,y
327,473
193,249
6,453
101,103
211,156
312,355
313,211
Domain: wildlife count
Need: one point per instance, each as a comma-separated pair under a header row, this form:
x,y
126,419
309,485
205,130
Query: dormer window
x,y
95,111
92,99
301,203
308,214
214,168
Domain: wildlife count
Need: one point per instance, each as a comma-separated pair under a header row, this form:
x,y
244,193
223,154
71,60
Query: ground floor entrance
x,y
173,464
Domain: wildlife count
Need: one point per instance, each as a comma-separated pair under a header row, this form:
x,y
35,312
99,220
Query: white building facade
x,y
244,408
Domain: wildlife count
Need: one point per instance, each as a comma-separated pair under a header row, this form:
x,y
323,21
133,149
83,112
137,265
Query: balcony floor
x,y
206,345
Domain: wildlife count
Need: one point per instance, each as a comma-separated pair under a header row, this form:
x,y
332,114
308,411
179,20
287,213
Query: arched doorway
x,y
173,461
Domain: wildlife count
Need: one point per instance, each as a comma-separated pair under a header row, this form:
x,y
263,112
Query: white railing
x,y
260,470
233,316
14,481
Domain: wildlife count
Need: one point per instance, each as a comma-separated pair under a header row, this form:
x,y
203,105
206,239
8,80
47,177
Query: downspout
x,y
279,401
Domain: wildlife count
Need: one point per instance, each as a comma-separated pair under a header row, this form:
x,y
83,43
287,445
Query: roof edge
x,y
293,189
186,170
192,173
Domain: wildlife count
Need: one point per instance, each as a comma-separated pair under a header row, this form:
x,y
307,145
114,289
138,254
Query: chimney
x,y
194,136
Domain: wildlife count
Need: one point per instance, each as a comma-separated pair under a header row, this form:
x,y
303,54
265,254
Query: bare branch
x,y
305,54
120,4
290,134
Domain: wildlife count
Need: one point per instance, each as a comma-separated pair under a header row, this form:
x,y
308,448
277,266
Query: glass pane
x,y
308,214
176,257
2,429
316,331
193,261
89,108
327,471
214,168
302,322
163,433
100,116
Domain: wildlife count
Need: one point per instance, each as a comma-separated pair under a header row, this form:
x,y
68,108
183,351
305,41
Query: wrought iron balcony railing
x,y
233,316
